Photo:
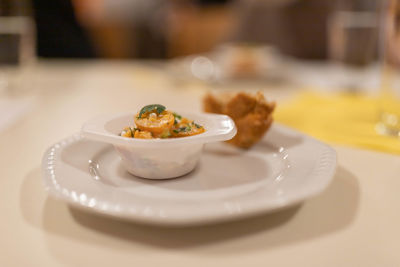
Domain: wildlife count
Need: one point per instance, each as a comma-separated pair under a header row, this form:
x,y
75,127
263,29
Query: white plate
x,y
282,170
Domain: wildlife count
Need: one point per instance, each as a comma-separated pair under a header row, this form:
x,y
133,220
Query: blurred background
x,y
166,29
277,46
210,40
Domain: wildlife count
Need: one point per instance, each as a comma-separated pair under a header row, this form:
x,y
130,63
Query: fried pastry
x,y
252,114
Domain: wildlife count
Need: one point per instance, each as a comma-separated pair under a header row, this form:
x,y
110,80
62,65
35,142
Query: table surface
x,y
355,222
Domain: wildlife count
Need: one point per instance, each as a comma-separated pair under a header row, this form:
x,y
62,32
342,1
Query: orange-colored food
x,y
153,121
190,127
142,134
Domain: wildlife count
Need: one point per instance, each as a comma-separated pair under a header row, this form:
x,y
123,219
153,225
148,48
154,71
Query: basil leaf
x,y
156,107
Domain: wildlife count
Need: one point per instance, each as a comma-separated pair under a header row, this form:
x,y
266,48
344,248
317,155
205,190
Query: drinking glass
x,y
389,104
17,52
353,46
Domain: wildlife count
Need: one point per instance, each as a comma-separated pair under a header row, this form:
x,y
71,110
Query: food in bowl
x,y
156,157
252,114
154,121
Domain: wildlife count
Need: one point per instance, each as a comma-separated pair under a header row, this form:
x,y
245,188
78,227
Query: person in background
x,y
58,32
129,28
125,28
153,28
198,26
173,28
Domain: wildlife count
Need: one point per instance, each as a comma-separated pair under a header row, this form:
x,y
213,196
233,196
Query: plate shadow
x,y
326,213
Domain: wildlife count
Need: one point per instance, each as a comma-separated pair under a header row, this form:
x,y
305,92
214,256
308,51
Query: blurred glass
x,y
16,39
353,45
17,50
389,113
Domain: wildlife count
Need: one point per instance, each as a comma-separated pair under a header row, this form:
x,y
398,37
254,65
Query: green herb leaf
x,y
185,129
197,126
179,117
176,118
153,107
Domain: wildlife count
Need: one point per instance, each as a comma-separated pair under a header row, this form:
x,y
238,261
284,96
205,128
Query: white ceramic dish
x,y
159,158
284,169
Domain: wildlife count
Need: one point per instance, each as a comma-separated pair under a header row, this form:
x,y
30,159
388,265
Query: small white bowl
x,y
159,158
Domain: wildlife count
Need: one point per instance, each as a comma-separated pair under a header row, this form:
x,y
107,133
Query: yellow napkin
x,y
340,118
